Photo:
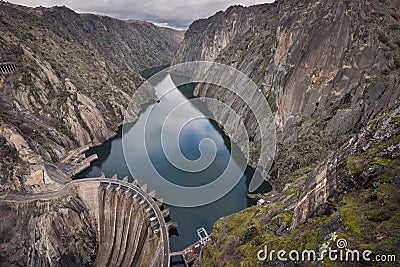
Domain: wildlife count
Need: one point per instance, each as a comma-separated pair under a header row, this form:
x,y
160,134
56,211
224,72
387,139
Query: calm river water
x,y
111,160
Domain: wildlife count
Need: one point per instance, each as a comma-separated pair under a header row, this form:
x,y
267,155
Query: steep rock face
x,y
353,194
370,154
207,37
330,72
49,233
326,68
88,222
28,167
75,76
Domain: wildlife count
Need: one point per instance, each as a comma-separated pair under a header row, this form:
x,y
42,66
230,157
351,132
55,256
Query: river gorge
x,y
112,160
328,71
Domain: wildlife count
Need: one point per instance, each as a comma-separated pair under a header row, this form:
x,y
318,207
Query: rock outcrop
x,y
74,77
88,222
325,72
373,152
59,232
69,82
330,72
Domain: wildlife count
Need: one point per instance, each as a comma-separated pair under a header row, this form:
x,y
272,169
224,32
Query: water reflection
x,y
111,160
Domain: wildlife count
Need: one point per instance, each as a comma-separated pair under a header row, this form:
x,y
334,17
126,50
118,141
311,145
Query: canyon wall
x,y
59,232
65,82
89,222
74,77
326,68
330,72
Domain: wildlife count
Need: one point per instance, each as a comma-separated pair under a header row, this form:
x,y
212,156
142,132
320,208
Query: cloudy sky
x,y
172,13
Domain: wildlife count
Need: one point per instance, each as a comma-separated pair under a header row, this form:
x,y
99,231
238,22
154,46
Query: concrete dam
x,y
130,226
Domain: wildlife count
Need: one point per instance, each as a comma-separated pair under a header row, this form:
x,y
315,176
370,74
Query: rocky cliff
x,y
59,232
74,76
323,69
330,71
65,81
89,222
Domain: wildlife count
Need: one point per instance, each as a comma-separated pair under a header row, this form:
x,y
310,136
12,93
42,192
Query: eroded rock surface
x,y
330,72
72,78
76,74
326,68
88,222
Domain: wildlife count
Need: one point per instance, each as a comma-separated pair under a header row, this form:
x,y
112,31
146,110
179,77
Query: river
x,y
111,161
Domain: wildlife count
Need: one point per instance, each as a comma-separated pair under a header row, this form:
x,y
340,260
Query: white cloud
x,y
172,13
